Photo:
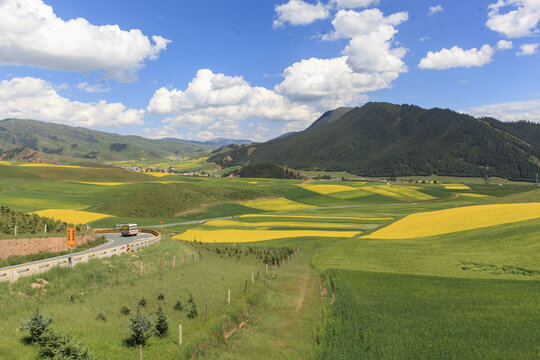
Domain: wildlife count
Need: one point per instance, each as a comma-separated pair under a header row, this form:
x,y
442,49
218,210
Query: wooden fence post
x,y
45,230
252,278
141,267
39,295
229,296
140,351
266,269
258,274
174,262
179,335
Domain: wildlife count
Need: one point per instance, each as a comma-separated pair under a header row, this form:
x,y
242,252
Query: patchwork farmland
x,y
356,269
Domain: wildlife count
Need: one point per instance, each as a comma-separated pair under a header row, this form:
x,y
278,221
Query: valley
x,y
362,286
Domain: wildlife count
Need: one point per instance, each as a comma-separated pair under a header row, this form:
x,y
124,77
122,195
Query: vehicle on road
x,y
129,229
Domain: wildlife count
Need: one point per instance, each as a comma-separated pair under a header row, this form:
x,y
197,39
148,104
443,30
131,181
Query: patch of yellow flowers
x,y
71,216
241,235
276,204
397,192
270,224
313,217
456,187
457,219
327,189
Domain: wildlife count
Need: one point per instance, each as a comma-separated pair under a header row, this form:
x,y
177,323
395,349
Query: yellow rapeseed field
x,y
314,217
276,204
71,216
472,195
350,194
269,224
51,165
456,187
457,219
326,189
242,235
397,192
157,174
103,183
5,163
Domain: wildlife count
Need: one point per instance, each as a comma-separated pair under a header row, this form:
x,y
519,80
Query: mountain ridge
x,y
383,139
37,141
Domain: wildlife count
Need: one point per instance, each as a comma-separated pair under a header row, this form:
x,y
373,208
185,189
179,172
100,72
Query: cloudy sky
x,y
255,69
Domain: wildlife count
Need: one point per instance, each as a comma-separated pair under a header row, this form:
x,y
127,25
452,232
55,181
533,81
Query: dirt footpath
x,y
14,247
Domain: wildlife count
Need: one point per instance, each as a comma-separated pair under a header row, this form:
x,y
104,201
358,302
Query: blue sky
x,y
258,68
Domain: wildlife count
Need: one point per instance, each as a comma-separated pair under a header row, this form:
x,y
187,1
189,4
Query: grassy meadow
x,y
421,269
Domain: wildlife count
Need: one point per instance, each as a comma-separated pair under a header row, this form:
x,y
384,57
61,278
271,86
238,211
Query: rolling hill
x,y
382,139
36,141
214,143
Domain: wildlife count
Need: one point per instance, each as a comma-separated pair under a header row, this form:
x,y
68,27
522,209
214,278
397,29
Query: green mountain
x,y
381,139
36,141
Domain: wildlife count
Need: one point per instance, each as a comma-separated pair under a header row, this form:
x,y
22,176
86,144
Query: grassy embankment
x,y
75,297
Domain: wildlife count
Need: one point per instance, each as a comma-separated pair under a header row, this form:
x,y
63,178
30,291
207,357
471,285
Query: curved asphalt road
x,y
113,239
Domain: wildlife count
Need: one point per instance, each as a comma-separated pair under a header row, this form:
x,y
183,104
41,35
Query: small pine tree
x,y
178,306
190,300
140,328
37,324
193,313
162,325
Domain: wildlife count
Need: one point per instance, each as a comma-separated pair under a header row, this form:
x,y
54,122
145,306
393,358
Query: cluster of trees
x,y
53,344
26,223
268,170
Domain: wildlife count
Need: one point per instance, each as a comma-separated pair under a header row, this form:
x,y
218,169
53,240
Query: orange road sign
x,y
71,238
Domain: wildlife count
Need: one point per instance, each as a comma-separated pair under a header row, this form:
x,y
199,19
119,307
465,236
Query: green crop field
x,y
349,294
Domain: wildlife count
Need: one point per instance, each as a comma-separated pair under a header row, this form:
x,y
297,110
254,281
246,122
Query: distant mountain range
x,y
36,141
382,139
213,143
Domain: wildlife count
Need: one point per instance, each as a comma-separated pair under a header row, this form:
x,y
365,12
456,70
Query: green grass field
x,y
464,295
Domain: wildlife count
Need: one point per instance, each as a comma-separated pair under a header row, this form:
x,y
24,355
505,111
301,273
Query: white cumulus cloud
x,y
34,98
32,34
520,21
528,49
457,57
299,12
369,62
97,88
330,81
371,33
435,9
213,97
353,4
509,111
504,45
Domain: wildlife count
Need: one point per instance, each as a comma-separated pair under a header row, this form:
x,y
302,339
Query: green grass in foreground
x,y
75,297
394,316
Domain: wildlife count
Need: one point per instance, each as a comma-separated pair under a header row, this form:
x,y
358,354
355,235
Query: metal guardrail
x,y
13,274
